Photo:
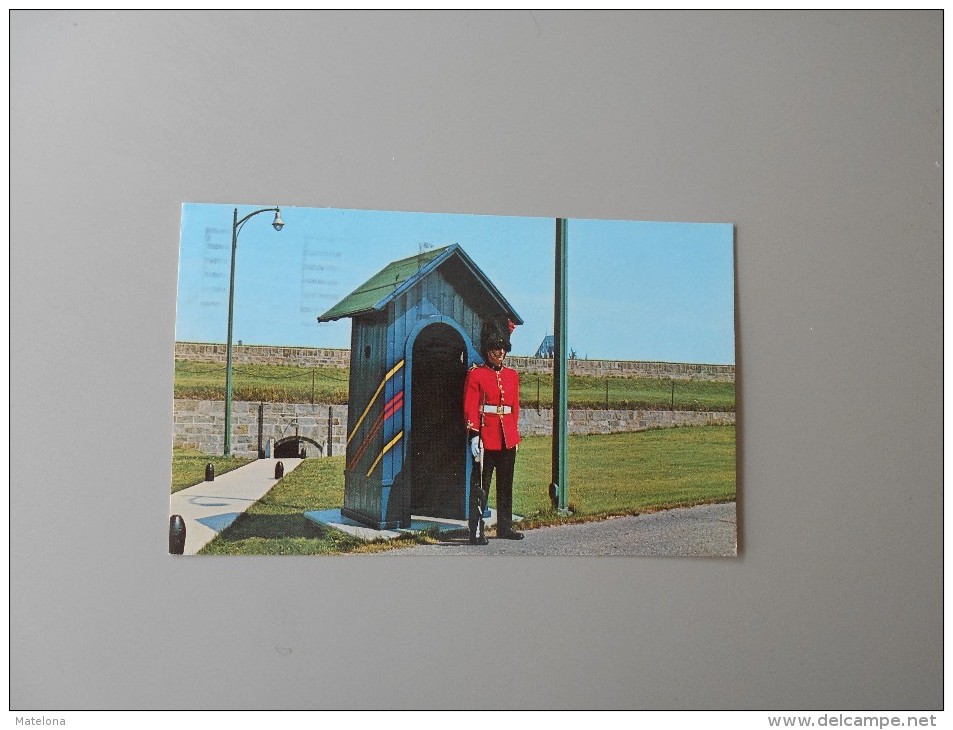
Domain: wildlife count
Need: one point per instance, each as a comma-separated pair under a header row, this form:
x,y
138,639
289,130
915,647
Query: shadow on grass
x,y
293,534
291,525
280,534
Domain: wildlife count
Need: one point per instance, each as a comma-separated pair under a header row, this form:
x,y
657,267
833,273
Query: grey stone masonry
x,y
200,424
264,354
337,358
585,422
628,369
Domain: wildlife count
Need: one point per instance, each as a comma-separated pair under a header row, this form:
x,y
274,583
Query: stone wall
x,y
330,357
628,369
200,424
587,422
264,354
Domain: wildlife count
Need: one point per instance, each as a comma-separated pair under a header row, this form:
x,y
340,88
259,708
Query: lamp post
x,y
559,487
236,228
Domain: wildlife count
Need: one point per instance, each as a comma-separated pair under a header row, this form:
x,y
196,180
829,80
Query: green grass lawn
x,y
291,384
268,383
630,393
628,473
188,466
608,475
275,525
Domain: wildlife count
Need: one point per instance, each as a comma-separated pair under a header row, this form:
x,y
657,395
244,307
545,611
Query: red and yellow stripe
x,y
391,408
393,371
387,448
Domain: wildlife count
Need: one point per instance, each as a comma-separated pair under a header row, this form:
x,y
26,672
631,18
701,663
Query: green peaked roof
x,y
398,276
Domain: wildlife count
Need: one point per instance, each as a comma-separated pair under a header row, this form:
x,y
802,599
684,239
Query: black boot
x,y
477,535
505,531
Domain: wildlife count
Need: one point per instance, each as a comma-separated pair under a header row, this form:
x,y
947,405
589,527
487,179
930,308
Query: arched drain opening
x,y
298,447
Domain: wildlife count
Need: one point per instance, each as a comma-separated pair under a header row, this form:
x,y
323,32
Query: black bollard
x,y
176,535
210,472
279,470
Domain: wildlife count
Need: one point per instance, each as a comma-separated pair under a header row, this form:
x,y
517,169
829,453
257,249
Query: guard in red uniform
x,y
491,407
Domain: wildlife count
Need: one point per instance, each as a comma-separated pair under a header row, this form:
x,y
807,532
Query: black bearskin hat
x,y
496,334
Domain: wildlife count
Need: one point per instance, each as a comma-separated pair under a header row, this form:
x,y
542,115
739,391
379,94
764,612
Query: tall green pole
x,y
278,224
228,345
560,368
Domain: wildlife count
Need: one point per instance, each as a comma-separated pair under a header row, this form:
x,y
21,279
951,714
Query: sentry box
x,y
414,326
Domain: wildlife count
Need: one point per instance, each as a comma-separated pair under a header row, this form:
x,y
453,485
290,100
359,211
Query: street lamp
x,y
558,488
236,228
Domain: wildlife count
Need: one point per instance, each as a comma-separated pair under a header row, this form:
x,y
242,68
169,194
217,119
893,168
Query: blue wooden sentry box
x,y
415,332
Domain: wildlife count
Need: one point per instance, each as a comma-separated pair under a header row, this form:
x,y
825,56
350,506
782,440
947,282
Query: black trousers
x,y
503,463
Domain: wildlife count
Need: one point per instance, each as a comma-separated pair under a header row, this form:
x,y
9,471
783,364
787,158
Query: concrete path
x,y
210,507
707,530
332,518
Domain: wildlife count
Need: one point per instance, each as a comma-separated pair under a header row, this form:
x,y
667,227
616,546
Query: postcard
x,y
394,383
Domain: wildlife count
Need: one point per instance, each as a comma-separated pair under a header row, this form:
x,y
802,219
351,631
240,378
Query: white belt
x,y
498,410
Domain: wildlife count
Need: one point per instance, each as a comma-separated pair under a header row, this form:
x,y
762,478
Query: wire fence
x,y
261,383
204,380
621,393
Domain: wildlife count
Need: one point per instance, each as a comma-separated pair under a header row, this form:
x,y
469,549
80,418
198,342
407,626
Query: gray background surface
x,y
818,134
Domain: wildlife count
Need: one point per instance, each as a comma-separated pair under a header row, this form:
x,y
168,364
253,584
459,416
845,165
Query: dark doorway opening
x,y
297,447
438,434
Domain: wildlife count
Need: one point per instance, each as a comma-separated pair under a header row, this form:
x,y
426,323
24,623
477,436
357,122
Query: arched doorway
x,y
297,447
438,435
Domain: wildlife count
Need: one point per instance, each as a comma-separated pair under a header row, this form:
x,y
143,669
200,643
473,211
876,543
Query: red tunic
x,y
488,387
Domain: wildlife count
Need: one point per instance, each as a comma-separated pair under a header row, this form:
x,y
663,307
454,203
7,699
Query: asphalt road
x,y
708,530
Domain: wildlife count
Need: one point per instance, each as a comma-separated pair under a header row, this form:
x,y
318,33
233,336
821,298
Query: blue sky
x,y
637,290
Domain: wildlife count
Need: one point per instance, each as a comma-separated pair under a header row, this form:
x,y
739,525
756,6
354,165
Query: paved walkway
x,y
707,530
210,507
